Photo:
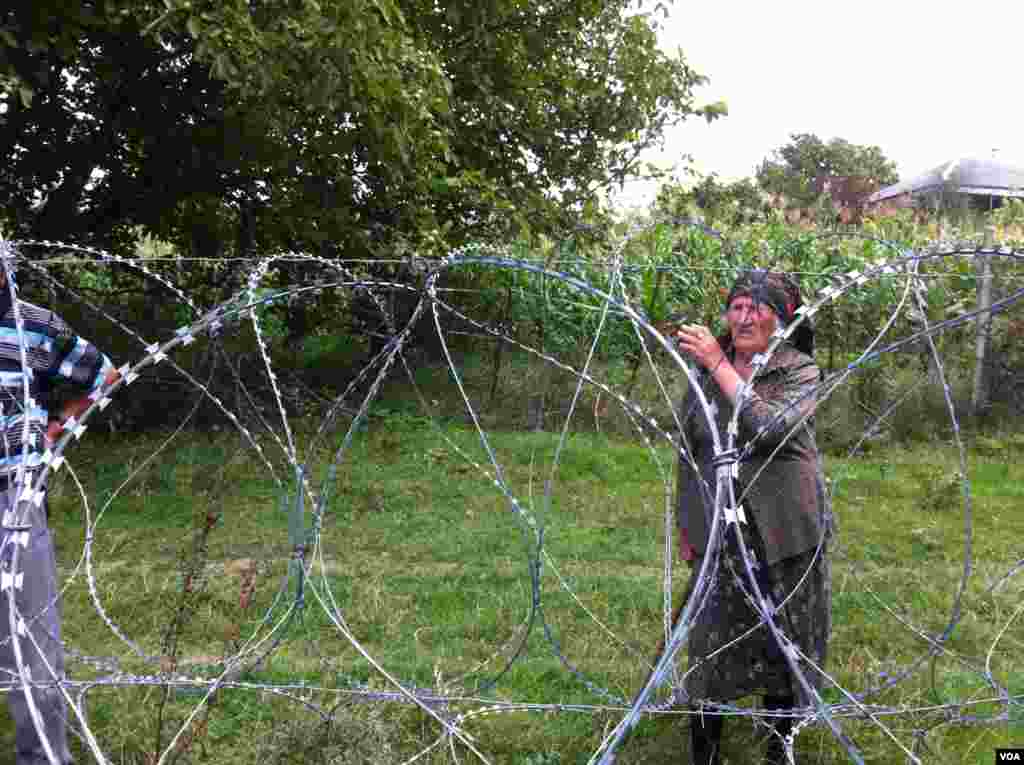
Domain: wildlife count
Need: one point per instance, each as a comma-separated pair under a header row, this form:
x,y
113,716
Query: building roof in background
x,y
987,177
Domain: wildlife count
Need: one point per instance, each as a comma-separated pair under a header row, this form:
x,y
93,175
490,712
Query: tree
x,y
720,204
344,125
794,171
369,128
195,122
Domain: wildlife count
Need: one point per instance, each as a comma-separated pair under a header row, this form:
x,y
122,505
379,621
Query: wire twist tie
x,y
9,580
727,458
185,333
128,376
29,495
735,515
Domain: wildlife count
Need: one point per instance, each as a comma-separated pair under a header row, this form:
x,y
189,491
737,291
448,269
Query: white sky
x,y
925,80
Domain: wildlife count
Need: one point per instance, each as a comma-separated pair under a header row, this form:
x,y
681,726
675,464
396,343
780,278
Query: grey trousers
x,y
36,603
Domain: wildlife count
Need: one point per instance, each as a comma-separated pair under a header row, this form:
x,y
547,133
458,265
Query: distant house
x,y
976,184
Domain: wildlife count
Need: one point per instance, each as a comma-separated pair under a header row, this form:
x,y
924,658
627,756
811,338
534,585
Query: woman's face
x,y
751,324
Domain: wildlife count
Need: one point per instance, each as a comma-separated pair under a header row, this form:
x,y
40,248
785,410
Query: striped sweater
x,y
44,348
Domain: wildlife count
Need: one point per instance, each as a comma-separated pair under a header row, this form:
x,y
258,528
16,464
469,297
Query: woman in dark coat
x,y
788,520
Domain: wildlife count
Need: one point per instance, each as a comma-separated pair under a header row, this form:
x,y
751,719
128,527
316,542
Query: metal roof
x,y
987,177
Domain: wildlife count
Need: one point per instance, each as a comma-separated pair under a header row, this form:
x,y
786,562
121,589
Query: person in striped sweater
x,y
36,348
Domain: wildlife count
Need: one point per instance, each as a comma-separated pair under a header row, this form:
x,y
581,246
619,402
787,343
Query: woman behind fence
x,y
788,520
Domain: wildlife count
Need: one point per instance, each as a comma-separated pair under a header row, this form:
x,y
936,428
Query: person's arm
x,y
76,406
726,377
81,363
703,347
770,421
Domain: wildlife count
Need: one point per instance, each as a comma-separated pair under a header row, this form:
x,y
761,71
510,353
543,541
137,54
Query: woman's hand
x,y
699,343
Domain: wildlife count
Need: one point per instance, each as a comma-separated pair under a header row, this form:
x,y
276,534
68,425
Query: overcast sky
x,y
924,80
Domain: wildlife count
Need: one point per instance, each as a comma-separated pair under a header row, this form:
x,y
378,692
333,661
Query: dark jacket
x,y
781,478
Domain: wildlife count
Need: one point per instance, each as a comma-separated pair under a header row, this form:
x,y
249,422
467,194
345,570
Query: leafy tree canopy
x,y
791,170
720,204
357,125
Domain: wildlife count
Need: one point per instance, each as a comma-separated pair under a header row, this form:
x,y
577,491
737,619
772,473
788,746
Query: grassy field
x,y
431,571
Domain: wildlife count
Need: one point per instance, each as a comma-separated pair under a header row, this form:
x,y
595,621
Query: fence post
x,y
979,399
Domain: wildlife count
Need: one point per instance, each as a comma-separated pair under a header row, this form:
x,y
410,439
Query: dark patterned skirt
x,y
755,664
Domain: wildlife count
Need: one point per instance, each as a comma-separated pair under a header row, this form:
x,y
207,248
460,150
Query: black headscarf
x,y
782,295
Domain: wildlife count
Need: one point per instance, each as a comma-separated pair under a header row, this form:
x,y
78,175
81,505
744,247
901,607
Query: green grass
x,y
428,563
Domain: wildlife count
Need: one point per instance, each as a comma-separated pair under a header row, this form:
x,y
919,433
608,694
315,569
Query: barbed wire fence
x,y
132,662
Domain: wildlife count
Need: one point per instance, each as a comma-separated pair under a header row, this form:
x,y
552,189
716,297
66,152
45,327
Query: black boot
x,y
775,753
705,738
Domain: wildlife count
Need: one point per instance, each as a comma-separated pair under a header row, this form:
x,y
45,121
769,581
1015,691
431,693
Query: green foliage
x,y
721,205
233,108
1009,218
942,490
336,350
271,323
792,169
369,128
682,269
347,125
543,758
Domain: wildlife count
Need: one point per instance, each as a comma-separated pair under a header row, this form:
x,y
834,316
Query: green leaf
x,y
715,110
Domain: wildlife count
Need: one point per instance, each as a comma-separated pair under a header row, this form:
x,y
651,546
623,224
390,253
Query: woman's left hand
x,y
700,343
